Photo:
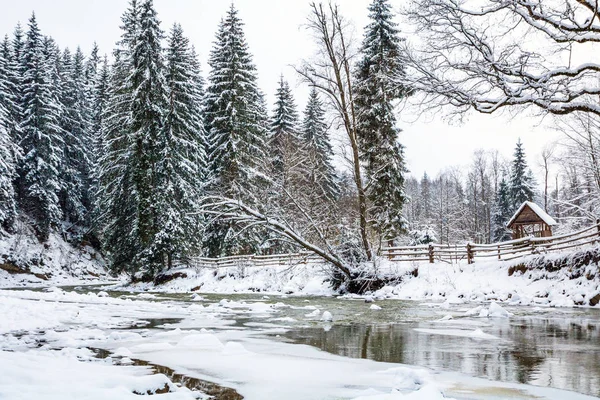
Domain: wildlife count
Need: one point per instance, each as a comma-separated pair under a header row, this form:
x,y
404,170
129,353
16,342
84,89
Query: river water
x,y
549,347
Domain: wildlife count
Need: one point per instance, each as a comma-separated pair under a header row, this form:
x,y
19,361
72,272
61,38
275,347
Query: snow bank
x,y
483,281
74,374
301,279
24,261
489,281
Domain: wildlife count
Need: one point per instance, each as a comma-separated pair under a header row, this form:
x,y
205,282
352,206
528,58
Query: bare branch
x,y
473,55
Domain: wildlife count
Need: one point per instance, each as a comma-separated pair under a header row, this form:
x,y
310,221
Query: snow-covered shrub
x,y
423,235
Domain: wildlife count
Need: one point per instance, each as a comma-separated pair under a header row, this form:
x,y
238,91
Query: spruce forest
x,y
144,156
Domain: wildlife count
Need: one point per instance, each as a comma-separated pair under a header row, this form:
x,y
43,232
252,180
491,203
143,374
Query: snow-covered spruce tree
x,y
95,87
198,94
99,95
321,172
380,65
41,133
7,160
179,170
8,210
425,199
75,124
15,75
117,196
84,103
288,164
235,122
521,185
502,212
11,92
115,202
148,104
284,136
321,190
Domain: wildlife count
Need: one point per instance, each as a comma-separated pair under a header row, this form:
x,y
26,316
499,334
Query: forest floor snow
x,y
25,262
482,281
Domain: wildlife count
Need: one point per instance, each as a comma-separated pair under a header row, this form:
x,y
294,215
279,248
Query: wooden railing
x,y
502,251
433,252
274,260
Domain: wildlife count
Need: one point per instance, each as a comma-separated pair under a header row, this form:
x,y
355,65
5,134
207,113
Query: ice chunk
x,y
205,341
497,311
474,311
313,314
123,352
327,317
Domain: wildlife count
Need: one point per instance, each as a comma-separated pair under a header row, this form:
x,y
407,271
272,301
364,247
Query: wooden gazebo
x,y
530,220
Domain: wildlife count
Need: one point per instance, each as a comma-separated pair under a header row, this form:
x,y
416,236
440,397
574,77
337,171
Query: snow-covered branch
x,y
473,55
238,212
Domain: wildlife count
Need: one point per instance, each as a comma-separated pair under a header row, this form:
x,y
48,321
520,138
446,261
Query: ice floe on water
x,y
492,311
44,338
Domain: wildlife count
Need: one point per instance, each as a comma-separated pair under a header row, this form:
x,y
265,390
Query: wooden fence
x,y
257,261
433,252
502,251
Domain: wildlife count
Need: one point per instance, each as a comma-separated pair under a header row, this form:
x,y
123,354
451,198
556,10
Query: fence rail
x,y
433,252
507,250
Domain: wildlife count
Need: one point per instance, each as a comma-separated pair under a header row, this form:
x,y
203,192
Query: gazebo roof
x,y
536,209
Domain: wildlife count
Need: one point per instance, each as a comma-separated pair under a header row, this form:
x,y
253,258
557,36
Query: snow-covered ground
x,y
25,262
456,283
45,336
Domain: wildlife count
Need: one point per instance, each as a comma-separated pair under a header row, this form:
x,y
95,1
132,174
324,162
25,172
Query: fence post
x,y
532,246
469,254
430,253
499,252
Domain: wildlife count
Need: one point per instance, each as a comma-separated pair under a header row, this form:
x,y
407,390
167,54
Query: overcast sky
x,y
277,39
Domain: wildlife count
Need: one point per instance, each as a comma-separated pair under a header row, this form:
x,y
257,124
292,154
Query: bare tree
x,y
499,168
331,73
473,55
547,157
579,197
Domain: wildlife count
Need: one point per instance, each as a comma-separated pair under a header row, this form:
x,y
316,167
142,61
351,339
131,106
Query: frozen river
x,y
273,347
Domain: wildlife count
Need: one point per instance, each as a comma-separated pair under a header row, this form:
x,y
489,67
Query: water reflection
x,y
558,352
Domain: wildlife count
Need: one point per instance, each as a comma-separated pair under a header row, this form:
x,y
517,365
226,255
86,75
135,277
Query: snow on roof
x,y
536,209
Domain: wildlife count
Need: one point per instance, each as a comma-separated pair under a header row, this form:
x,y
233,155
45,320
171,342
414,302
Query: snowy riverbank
x,y
25,262
482,281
